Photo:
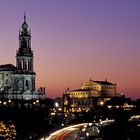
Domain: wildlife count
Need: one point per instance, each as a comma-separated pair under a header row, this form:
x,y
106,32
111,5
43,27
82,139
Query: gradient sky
x,y
74,40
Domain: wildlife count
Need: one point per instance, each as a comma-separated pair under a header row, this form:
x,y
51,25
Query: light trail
x,y
65,131
64,135
69,128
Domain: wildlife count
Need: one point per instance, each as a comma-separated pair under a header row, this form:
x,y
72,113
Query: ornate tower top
x,y
24,53
24,25
24,31
25,40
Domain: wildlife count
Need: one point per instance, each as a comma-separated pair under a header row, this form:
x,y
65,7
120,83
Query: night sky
x,y
75,40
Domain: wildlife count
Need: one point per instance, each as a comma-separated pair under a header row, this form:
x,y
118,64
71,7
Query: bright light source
x,y
62,124
56,104
107,122
117,106
9,101
4,103
90,124
60,109
37,101
52,114
109,106
85,126
101,103
87,134
83,129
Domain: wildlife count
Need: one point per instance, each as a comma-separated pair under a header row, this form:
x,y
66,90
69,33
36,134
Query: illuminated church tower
x,y
24,77
24,57
18,82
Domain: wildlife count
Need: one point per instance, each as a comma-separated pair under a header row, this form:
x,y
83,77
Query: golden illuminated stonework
x,y
7,132
89,94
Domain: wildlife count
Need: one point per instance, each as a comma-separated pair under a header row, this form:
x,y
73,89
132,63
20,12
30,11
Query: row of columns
x,y
25,64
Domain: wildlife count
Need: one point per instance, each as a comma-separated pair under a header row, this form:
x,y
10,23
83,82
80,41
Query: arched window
x,y
27,83
6,82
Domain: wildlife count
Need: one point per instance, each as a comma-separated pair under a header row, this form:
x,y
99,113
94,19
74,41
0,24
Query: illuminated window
x,y
6,82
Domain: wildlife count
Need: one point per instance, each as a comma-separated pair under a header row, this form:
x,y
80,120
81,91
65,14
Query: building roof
x,y
7,67
93,83
80,90
103,82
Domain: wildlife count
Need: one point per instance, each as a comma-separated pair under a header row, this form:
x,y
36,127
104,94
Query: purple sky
x,y
74,40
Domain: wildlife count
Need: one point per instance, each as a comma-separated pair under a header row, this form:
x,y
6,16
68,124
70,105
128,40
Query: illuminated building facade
x,y
90,94
18,82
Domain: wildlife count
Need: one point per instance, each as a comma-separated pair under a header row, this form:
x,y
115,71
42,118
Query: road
x,y
67,133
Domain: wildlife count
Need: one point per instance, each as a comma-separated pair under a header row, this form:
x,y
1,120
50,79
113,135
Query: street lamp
x,y
101,103
56,104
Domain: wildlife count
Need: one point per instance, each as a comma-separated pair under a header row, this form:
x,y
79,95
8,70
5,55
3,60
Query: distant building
x,y
91,93
18,82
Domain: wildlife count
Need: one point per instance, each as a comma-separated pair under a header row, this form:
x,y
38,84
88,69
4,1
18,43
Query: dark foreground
x,y
33,123
29,123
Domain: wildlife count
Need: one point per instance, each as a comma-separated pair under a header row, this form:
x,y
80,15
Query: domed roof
x,y
89,83
24,25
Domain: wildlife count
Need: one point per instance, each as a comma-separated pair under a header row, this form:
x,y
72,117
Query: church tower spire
x,y
25,75
24,54
24,17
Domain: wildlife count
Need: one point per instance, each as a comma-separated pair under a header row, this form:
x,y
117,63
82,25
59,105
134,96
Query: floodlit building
x,y
89,95
18,82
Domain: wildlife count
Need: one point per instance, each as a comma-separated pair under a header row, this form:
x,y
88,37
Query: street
x,y
67,133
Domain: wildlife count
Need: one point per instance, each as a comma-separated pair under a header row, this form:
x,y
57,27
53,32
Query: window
x,y
27,83
6,82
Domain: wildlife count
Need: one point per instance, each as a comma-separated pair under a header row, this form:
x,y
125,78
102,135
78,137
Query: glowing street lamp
x,y
37,101
9,101
56,104
101,103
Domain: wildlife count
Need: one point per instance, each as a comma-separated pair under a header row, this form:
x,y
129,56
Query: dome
x,y
24,26
89,83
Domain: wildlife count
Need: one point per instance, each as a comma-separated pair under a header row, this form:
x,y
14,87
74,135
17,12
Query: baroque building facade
x,y
18,82
89,95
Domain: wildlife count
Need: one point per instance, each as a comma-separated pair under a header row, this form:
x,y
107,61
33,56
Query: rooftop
x,y
103,82
80,90
7,67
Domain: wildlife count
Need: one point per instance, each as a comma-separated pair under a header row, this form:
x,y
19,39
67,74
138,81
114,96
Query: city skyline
x,y
76,40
